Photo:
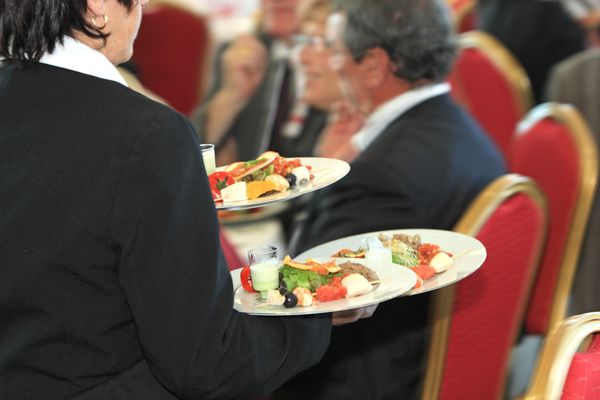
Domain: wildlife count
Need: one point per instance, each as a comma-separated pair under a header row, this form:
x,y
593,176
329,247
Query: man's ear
x,y
376,65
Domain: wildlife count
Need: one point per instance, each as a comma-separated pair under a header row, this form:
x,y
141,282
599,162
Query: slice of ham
x,y
240,169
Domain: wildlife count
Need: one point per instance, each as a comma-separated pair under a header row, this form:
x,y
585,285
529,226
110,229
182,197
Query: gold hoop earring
x,y
105,20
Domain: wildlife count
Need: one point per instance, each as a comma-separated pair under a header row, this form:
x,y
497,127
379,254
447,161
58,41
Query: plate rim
x,y
276,311
425,288
264,201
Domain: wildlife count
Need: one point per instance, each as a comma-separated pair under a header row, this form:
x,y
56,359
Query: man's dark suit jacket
x,y
255,129
539,33
421,172
112,281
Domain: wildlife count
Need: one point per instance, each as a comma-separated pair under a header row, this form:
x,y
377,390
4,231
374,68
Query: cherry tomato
x,y
217,181
246,279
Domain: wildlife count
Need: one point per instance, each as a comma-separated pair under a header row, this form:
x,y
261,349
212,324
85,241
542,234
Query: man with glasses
x,y
417,162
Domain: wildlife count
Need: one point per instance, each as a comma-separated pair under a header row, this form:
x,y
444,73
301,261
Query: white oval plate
x,y
395,281
325,170
470,253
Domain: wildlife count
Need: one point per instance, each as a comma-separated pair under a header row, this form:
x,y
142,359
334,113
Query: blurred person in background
x,y
308,115
323,90
418,162
252,94
539,33
113,281
587,14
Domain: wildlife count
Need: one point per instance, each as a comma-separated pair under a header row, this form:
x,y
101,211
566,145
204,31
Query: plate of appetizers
x,y
438,257
271,178
320,285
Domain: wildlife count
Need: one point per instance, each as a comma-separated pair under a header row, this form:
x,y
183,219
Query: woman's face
x,y
123,25
280,18
322,87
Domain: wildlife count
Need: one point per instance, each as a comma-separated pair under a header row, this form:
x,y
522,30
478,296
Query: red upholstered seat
x,y
568,369
583,378
476,321
171,53
491,85
554,147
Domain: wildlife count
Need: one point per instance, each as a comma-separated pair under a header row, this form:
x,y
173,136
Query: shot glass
x,y
264,269
376,252
208,156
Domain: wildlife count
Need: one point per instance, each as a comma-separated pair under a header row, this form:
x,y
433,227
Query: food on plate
x,y
441,262
305,283
425,259
234,192
348,253
242,169
268,173
305,297
258,188
356,285
275,298
219,181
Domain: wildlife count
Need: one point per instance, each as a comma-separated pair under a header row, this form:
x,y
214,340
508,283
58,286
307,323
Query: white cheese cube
x,y
302,175
441,262
235,192
356,285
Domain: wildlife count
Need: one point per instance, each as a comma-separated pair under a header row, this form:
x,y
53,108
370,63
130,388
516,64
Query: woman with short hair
x,y
113,284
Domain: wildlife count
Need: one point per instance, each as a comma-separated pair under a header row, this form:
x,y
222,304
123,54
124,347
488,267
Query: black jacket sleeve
x,y
178,287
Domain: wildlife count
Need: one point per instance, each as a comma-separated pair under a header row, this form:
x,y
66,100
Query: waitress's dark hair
x,y
29,28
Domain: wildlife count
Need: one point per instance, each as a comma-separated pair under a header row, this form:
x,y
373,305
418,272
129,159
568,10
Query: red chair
x,y
554,147
475,323
464,14
231,256
489,82
171,51
563,372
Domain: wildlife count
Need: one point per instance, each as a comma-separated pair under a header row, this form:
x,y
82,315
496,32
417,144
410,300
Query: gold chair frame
x,y
588,154
471,223
459,14
506,63
556,355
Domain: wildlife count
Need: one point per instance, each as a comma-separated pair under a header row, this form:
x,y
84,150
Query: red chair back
x,y
171,52
464,14
564,372
488,81
476,321
554,147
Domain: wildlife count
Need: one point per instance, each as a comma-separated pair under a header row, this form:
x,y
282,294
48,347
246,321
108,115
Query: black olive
x,y
282,287
291,178
291,300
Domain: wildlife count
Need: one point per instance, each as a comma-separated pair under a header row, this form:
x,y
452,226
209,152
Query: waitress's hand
x,y
349,316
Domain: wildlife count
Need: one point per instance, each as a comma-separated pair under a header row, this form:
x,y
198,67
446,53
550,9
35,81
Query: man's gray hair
x,y
418,35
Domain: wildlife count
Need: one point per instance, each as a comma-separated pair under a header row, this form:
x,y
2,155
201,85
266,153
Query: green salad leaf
x,y
295,277
404,255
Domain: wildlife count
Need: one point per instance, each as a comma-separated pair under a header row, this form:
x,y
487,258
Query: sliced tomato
x,y
333,291
246,279
425,271
218,181
427,251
